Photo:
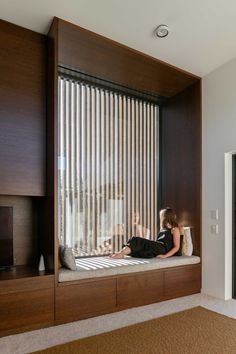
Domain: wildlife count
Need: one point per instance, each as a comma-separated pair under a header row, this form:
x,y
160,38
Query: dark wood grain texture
x,y
49,204
23,279
181,159
74,302
182,282
27,303
22,111
22,309
141,289
93,297
99,56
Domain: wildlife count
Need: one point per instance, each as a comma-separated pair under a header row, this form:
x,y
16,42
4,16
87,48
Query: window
x,y
107,167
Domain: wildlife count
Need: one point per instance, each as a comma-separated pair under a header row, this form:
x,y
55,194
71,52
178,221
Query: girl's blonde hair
x,y
167,218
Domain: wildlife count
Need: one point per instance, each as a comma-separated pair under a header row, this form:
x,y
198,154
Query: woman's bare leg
x,y
124,252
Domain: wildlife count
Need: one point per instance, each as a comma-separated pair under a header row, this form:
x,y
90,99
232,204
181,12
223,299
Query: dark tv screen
x,y
6,236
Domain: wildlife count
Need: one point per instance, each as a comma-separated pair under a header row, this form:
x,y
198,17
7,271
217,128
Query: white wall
x,y
219,137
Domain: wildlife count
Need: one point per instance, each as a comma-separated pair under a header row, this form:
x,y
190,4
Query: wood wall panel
x,y
181,159
22,111
49,205
102,57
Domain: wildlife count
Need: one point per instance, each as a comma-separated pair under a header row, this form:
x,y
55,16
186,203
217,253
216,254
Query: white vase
x,y
41,264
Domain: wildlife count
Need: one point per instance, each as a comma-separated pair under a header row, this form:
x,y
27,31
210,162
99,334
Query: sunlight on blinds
x,y
107,168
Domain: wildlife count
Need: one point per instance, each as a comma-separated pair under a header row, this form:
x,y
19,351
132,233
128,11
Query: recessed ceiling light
x,y
162,31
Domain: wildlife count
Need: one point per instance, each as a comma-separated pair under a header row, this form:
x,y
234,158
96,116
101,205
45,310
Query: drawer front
x,y
141,289
83,300
25,309
26,284
182,281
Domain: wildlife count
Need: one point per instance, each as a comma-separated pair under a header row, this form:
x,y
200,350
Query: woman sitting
x,y
166,245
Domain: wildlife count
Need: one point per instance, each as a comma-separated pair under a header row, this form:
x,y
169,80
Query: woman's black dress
x,y
143,248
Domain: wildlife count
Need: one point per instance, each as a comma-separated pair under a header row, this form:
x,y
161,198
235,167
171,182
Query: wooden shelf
x,y
23,271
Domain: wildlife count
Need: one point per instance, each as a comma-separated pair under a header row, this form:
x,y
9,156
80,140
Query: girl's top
x,y
165,238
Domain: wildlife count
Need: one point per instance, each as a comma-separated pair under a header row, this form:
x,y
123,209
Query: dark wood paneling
x,y
22,111
182,281
49,205
74,302
105,58
137,290
24,309
181,159
31,280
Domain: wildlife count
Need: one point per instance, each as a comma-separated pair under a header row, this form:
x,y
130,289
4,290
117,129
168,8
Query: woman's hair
x,y
167,218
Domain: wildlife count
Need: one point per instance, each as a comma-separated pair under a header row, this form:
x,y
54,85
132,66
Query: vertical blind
x,y
107,167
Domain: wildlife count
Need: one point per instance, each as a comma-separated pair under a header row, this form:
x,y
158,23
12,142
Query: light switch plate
x,y
215,229
215,214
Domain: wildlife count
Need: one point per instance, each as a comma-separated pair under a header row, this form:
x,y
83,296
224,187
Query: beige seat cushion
x,y
100,266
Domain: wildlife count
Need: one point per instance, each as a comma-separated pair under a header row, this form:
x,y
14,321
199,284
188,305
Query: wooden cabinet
x,y
26,304
26,298
22,111
83,299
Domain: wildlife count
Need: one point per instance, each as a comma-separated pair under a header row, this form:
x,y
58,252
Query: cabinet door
x,y
22,111
139,289
26,310
89,299
182,281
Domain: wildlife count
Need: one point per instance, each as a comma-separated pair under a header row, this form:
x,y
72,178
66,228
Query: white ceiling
x,y
202,37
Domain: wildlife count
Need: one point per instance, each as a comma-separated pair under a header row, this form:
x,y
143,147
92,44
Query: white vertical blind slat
x,y
124,169
93,171
120,191
148,170
84,168
129,175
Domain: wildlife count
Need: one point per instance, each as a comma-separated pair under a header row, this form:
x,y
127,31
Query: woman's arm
x,y
142,231
176,240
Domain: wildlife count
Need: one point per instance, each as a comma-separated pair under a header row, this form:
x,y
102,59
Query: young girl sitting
x,y
166,245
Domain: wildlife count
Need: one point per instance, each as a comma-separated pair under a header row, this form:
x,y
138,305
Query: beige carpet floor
x,y
197,330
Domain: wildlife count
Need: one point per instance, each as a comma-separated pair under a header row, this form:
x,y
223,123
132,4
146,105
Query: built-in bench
x,y
101,285
95,267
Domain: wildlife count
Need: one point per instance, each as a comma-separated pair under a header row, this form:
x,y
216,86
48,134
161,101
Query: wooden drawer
x,y
140,289
83,300
24,310
182,281
26,284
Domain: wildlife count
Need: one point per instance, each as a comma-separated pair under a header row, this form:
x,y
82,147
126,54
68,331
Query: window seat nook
x,y
105,266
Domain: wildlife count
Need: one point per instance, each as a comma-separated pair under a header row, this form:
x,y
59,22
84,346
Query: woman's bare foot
x,y
124,252
118,255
